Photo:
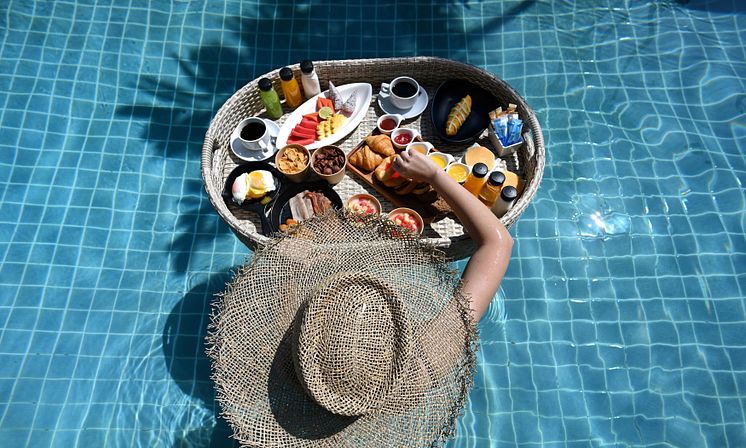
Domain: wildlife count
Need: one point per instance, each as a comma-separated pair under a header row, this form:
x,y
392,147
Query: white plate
x,y
363,93
419,106
258,155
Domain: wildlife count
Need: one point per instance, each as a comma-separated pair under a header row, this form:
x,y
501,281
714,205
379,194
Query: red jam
x,y
388,124
403,139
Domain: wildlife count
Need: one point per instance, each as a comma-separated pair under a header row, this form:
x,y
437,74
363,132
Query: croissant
x,y
458,116
366,159
381,144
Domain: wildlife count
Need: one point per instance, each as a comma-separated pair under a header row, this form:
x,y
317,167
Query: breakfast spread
x,y
292,160
478,170
458,116
253,185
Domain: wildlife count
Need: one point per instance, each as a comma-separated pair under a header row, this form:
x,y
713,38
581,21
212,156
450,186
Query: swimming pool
x,y
624,303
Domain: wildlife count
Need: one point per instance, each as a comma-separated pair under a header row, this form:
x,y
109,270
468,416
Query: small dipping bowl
x,y
458,171
404,136
333,178
360,203
421,147
402,210
441,159
388,122
297,176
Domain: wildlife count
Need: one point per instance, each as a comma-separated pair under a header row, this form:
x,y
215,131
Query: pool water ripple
x,y
620,321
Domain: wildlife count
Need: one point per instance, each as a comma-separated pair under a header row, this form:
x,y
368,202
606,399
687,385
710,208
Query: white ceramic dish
x,y
413,134
259,155
363,93
419,105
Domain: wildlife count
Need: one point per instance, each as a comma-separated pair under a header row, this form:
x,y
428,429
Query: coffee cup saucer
x,y
257,155
419,106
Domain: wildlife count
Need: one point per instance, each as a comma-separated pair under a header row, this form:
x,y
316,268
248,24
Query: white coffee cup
x,y
253,134
402,92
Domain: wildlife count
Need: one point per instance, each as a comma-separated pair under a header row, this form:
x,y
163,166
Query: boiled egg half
x,y
252,185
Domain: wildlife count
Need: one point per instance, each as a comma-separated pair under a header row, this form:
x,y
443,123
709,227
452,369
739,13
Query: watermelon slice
x,y
300,141
310,124
303,133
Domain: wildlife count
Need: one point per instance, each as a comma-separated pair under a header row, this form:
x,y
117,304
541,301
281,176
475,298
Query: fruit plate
x,y
363,92
430,211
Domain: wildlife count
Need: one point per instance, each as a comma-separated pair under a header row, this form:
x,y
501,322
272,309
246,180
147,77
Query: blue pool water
x,y
624,302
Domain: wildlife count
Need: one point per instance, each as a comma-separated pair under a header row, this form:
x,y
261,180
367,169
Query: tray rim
x,y
534,151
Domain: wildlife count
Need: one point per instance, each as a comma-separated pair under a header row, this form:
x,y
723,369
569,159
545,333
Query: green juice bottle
x,y
270,98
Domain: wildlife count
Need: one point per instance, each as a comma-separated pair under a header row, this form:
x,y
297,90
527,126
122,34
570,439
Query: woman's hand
x,y
413,165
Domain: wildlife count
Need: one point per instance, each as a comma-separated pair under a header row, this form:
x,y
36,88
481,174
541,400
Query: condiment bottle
x,y
290,88
270,98
491,190
512,178
476,178
505,201
309,79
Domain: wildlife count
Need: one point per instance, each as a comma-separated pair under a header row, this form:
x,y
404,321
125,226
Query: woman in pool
x,y
347,333
488,264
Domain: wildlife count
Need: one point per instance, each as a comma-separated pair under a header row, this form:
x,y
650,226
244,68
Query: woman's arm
x,y
488,264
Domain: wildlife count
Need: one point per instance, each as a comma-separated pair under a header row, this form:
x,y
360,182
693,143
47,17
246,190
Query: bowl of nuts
x,y
329,163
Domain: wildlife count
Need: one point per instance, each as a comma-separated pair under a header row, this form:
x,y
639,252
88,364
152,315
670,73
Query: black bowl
x,y
255,205
281,209
451,92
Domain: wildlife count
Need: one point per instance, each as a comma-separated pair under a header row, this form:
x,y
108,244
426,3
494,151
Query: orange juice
x,y
476,180
480,154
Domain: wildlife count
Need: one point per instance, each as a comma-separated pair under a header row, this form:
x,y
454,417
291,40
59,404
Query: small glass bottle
x,y
270,98
512,178
309,79
491,190
508,194
290,88
476,178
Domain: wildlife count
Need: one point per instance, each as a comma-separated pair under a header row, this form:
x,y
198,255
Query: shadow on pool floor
x,y
184,353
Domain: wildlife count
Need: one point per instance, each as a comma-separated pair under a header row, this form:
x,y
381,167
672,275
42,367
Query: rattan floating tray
x,y
218,160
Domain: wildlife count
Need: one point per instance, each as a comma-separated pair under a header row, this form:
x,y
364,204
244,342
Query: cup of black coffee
x,y
402,92
253,134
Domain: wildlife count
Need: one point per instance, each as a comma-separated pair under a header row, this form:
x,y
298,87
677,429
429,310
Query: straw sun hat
x,y
343,335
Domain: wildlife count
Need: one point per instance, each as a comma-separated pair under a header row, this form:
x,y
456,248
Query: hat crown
x,y
352,343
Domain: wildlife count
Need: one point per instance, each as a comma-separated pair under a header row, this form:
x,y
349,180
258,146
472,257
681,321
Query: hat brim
x,y
250,345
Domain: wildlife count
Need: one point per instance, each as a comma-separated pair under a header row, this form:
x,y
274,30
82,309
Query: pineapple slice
x,y
324,130
338,120
329,126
